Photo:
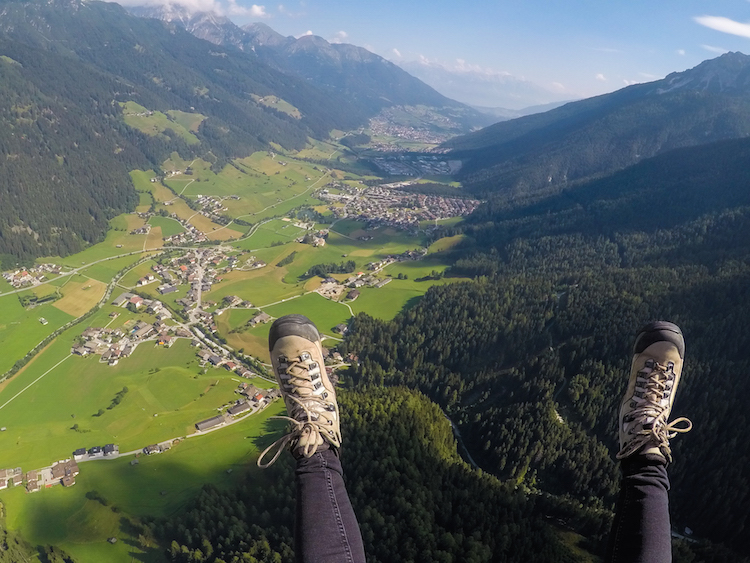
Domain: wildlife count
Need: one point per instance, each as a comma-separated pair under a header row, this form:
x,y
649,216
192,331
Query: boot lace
x,y
312,417
650,404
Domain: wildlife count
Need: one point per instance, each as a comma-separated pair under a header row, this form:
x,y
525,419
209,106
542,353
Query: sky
x,y
570,49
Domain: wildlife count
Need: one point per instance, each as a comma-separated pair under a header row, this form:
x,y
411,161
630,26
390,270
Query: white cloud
x,y
221,7
629,82
190,5
601,78
396,52
725,25
339,37
558,87
255,11
308,32
681,52
648,76
712,49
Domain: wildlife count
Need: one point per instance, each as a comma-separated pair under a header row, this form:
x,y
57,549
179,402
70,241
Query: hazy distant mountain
x,y
504,114
368,81
481,88
599,135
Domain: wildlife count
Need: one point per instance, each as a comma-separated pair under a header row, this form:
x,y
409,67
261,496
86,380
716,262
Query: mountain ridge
x,y
367,80
600,135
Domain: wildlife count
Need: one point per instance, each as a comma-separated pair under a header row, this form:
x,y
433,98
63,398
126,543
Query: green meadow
x,y
168,225
325,313
167,394
158,485
155,123
21,330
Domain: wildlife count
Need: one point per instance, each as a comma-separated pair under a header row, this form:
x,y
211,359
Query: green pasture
x,y
20,330
155,123
158,485
105,271
119,234
168,225
190,121
278,104
261,290
325,313
131,278
39,418
269,233
265,186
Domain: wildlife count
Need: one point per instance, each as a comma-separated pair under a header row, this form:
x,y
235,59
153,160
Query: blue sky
x,y
575,48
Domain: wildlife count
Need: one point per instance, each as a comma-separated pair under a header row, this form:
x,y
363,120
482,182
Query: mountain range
x,y
368,81
600,135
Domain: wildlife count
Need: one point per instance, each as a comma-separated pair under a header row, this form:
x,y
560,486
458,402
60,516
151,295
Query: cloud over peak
x,y
725,25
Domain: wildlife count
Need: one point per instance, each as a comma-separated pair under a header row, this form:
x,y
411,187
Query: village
x,y
381,205
30,277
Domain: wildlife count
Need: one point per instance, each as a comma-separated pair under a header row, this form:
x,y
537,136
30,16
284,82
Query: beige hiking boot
x,y
309,395
658,355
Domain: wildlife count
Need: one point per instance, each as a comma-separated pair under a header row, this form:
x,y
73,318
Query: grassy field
x,y
141,270
168,225
167,383
20,329
278,104
158,486
155,123
80,294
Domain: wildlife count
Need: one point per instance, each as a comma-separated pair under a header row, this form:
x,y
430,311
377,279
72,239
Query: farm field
x,y
157,486
40,413
167,225
80,294
20,329
154,123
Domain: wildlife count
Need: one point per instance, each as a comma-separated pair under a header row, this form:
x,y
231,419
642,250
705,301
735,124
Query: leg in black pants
x,y
326,529
641,530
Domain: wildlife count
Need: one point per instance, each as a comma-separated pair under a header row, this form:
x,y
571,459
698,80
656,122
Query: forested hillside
x,y
600,135
414,498
531,358
64,66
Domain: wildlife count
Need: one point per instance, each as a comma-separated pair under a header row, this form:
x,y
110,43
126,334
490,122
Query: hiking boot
x,y
658,354
309,395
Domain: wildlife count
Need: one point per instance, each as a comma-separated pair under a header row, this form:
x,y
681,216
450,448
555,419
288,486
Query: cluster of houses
x,y
384,125
253,399
144,230
212,207
95,452
115,344
333,289
59,473
379,205
209,357
10,477
190,235
27,277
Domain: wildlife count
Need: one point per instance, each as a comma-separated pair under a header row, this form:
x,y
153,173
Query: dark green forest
x,y
531,358
415,498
